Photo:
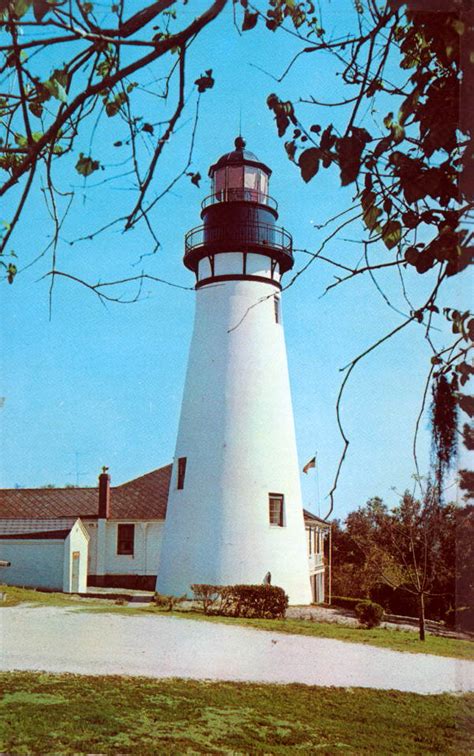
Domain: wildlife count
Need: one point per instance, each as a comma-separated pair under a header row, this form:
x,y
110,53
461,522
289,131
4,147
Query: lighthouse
x,y
234,508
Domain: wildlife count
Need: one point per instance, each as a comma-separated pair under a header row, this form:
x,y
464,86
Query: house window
x,y
276,503
181,471
125,539
276,305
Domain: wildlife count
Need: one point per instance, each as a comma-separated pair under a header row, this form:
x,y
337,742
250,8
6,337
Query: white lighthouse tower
x,y
234,508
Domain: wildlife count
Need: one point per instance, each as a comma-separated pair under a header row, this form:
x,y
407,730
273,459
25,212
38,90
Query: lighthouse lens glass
x,y
235,177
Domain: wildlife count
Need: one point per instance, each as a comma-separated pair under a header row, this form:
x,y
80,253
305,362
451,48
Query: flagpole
x,y
317,482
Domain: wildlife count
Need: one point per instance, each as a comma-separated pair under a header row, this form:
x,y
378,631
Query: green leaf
x,y
112,107
309,163
21,140
371,211
391,233
56,89
86,165
20,7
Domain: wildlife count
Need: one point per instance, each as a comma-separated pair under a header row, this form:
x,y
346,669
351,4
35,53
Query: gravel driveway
x,y
61,639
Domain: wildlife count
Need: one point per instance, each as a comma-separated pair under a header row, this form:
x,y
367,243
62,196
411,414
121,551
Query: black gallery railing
x,y
255,236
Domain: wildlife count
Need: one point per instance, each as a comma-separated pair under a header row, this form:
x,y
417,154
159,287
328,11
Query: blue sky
x,y
102,385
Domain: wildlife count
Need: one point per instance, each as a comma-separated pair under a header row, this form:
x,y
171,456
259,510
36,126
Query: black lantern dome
x,y
239,215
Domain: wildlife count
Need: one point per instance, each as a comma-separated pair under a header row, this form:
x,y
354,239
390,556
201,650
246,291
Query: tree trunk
x,y
422,616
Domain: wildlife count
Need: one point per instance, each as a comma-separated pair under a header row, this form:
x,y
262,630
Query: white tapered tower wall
x,y
237,433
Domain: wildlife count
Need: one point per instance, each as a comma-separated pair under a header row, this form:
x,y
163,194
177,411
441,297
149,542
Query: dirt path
x,y
61,639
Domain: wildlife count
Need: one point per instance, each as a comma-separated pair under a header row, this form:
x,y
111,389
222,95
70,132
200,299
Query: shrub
x,y
345,602
207,595
264,601
167,602
369,613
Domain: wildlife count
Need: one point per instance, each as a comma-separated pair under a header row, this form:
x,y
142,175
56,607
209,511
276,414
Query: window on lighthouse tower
x,y
276,509
181,472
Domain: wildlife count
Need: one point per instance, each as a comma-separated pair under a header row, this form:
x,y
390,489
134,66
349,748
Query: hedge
x,y
264,601
345,602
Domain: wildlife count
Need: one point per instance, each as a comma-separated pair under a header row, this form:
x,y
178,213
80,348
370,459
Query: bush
x,y
207,595
345,602
267,601
369,613
167,602
264,601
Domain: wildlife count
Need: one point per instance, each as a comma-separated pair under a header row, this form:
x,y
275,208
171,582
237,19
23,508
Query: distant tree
x,y
410,548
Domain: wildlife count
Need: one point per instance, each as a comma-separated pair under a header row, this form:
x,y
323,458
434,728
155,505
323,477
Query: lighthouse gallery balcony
x,y
261,238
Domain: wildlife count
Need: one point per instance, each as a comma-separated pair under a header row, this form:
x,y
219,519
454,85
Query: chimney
x,y
104,494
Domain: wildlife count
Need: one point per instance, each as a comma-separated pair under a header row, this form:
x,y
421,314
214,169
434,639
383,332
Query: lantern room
x,y
239,217
240,176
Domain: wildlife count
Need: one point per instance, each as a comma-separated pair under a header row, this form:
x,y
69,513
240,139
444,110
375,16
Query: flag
x,y
309,465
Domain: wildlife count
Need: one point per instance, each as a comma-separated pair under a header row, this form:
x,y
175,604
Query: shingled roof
x,y
143,498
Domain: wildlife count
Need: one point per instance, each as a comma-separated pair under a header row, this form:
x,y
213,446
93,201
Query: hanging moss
x,y
444,419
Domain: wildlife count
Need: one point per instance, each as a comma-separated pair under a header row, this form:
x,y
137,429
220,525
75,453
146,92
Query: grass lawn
x,y
16,596
46,714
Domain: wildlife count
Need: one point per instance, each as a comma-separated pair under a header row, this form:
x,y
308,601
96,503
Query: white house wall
x,y
147,545
36,563
91,527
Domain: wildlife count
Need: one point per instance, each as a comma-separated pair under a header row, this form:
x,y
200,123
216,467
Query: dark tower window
x,y
276,304
276,506
125,539
181,471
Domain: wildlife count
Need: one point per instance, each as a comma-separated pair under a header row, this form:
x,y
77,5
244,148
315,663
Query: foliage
x,y
40,714
206,595
167,602
369,613
264,601
405,146
413,559
64,66
345,602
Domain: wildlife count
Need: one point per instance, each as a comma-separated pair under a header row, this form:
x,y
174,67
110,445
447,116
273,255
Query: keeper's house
x,y
69,539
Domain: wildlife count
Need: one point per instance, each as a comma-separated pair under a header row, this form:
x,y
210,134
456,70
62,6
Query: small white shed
x,y
45,553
